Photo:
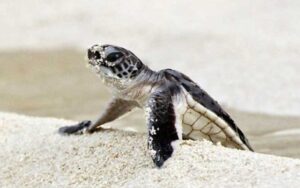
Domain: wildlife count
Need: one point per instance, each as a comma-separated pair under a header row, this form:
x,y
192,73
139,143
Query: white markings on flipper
x,y
180,106
221,123
198,135
212,116
190,101
202,121
206,124
199,108
190,117
210,129
229,131
186,129
237,140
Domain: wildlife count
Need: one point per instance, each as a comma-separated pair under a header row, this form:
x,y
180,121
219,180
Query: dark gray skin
x,y
135,85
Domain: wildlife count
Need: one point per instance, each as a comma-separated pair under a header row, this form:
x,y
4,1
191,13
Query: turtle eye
x,y
114,56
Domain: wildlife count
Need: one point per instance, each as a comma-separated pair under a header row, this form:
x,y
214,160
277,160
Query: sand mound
x,y
33,154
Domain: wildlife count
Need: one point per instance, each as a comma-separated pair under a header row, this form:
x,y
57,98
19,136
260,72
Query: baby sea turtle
x,y
175,106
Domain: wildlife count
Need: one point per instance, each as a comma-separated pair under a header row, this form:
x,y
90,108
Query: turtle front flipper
x,y
161,127
116,108
75,129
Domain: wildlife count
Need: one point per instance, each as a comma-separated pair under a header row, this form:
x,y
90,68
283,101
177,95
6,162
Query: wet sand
x,y
57,84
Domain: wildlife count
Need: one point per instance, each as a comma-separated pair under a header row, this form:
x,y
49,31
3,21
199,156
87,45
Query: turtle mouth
x,y
100,62
96,62
99,66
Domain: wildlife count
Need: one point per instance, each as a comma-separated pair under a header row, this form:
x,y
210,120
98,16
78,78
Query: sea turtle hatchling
x,y
175,106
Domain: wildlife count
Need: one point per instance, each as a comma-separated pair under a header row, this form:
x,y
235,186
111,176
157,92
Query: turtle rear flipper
x,y
161,127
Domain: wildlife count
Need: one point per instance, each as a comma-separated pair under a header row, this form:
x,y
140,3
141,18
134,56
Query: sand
x,y
33,154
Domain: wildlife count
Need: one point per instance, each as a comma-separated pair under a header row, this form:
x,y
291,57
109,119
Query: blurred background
x,y
244,53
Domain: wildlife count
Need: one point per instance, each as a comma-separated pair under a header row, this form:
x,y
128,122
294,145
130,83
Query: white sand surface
x,y
33,154
244,53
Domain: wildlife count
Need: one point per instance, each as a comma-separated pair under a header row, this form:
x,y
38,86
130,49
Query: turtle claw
x,y
79,128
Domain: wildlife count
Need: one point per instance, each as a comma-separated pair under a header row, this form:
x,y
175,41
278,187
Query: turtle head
x,y
114,63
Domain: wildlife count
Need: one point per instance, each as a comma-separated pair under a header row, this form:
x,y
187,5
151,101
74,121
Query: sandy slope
x,y
33,155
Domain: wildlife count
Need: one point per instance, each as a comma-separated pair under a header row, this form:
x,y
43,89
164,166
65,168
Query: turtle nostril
x,y
93,55
97,55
